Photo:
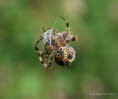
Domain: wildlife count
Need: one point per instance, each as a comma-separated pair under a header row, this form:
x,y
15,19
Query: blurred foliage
x,y
95,67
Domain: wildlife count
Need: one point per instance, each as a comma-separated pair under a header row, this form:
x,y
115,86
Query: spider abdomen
x,y
65,56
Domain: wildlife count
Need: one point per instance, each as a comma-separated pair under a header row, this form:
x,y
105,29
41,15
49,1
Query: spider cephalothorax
x,y
56,45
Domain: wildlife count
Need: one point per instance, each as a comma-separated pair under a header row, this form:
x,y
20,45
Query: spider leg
x,y
70,37
39,52
49,62
67,24
42,61
36,46
42,57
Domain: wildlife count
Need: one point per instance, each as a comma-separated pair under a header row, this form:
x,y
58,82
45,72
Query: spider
x,y
56,46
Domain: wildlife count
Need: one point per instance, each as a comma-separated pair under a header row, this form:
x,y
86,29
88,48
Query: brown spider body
x,y
57,46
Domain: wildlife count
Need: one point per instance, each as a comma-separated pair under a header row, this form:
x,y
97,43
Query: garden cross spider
x,y
56,45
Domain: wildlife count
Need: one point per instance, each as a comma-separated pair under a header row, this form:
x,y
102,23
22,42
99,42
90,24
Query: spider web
x,y
48,35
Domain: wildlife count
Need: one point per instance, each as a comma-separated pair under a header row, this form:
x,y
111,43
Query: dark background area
x,y
93,74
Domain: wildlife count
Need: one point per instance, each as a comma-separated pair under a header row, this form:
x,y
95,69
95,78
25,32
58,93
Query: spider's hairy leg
x,y
39,52
46,58
50,60
48,64
67,24
36,46
42,61
42,58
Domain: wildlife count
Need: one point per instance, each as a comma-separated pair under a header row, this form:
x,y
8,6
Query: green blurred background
x,y
93,74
